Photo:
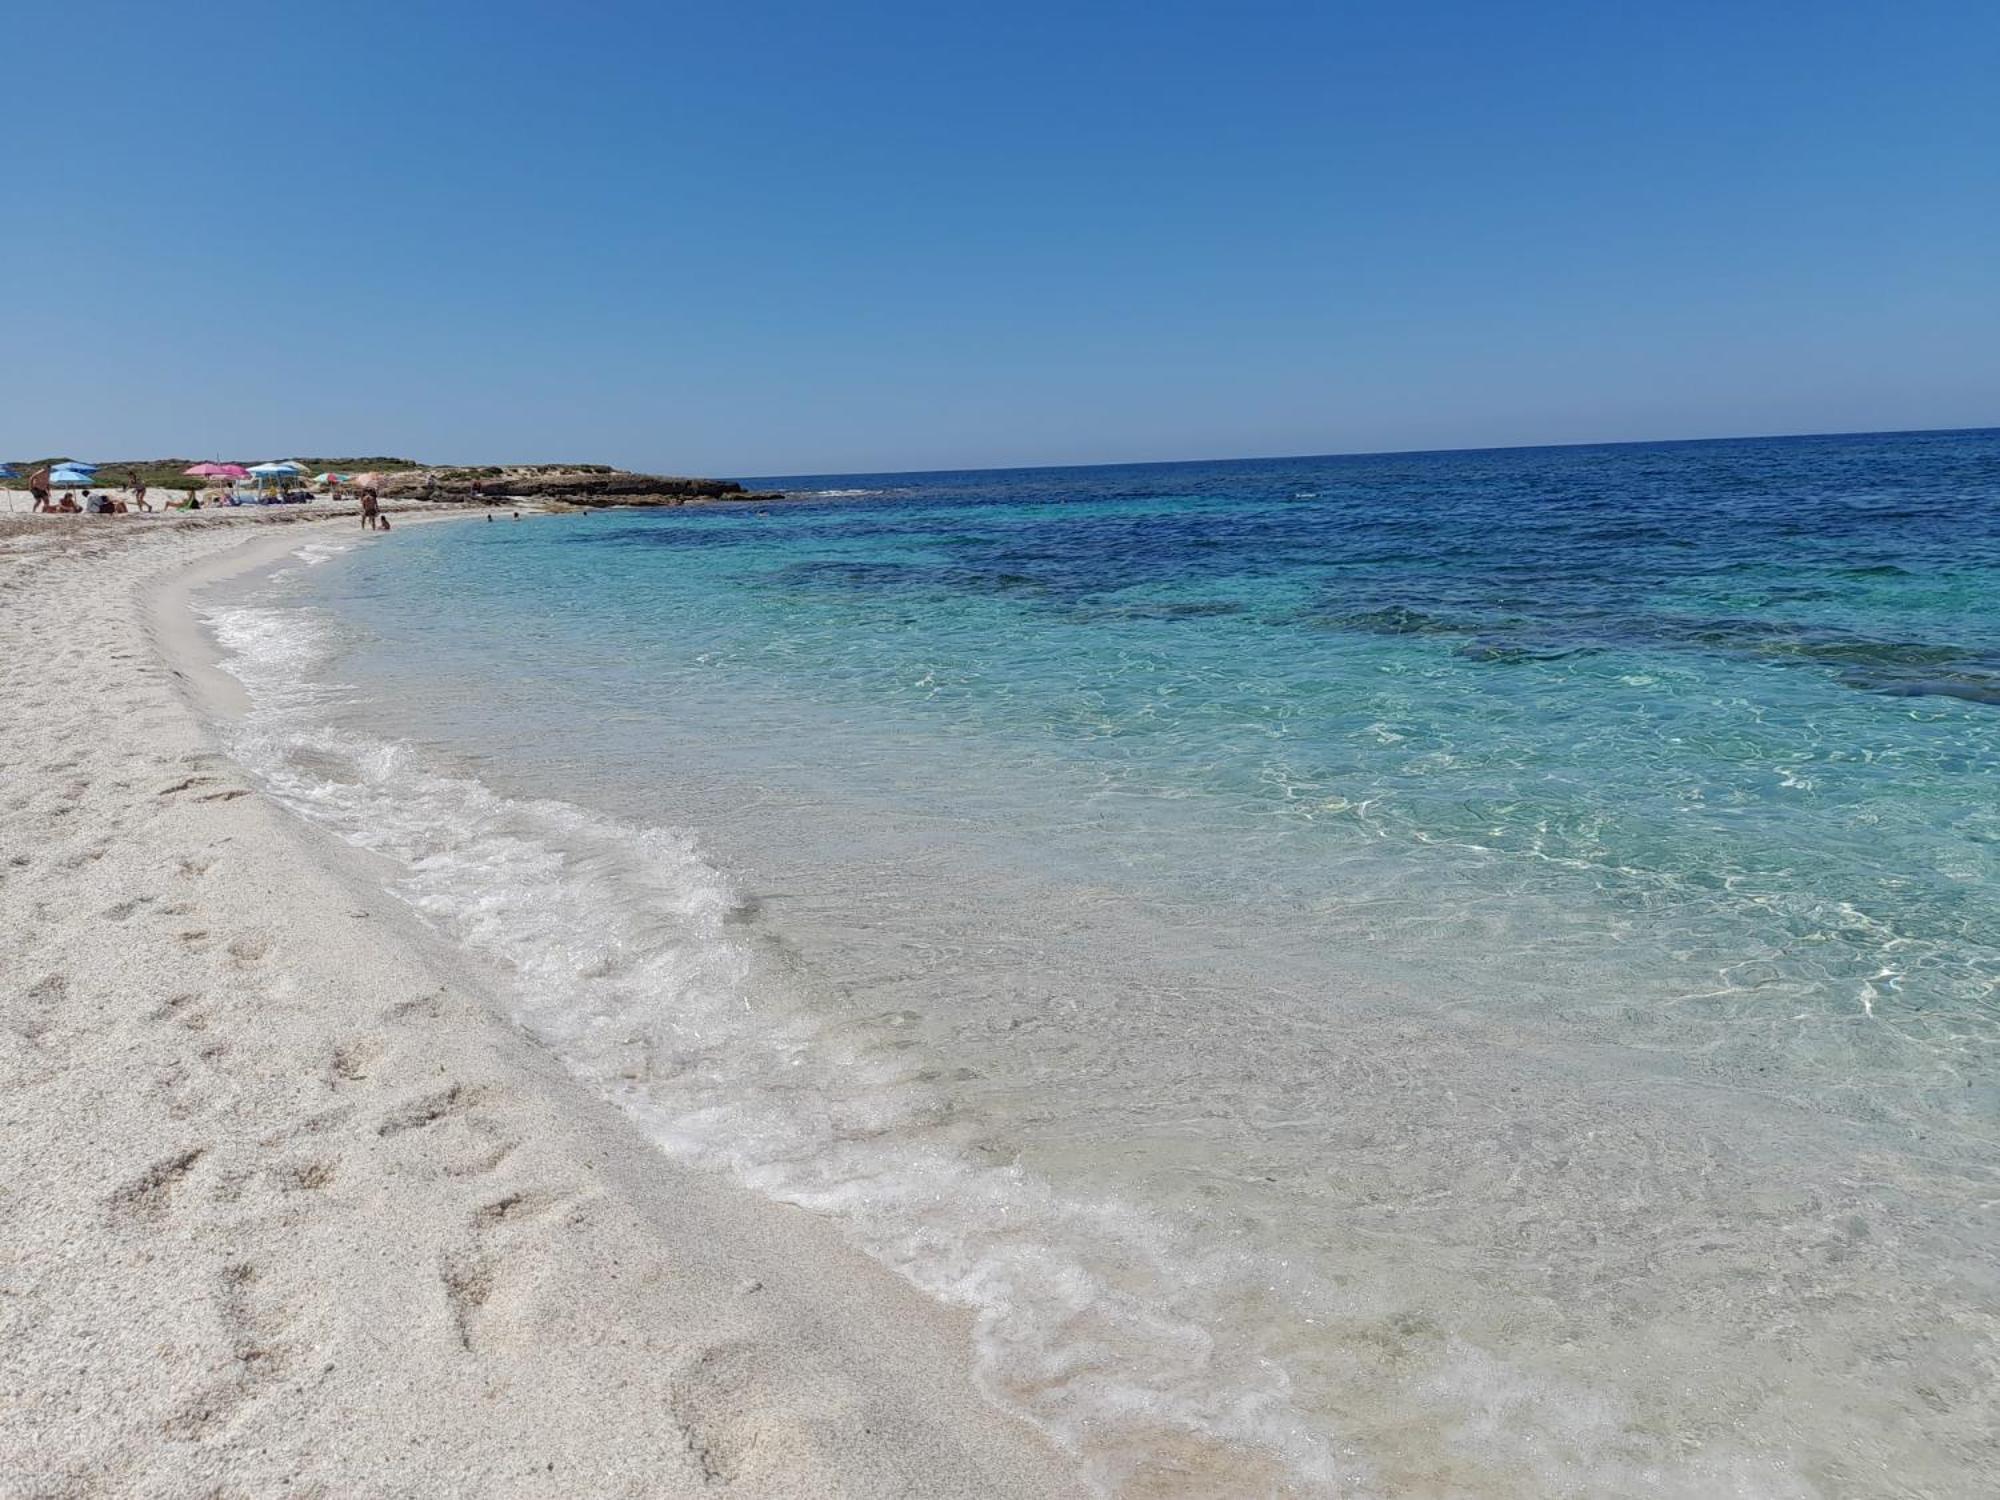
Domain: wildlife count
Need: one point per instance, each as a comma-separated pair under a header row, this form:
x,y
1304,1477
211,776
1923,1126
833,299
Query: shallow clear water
x,y
1455,974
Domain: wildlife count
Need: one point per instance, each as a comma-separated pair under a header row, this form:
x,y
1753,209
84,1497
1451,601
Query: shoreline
x,y
317,1213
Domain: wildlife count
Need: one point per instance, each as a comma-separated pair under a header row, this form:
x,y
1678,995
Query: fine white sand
x,y
287,1209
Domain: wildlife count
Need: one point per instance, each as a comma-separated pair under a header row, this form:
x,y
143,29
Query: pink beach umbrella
x,y
218,471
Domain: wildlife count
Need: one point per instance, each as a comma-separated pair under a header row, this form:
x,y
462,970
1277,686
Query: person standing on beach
x,y
138,486
371,510
38,486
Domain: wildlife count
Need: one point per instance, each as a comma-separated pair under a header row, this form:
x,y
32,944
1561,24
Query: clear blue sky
x,y
769,238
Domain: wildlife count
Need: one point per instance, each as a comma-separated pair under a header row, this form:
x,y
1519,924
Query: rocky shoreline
x,y
558,485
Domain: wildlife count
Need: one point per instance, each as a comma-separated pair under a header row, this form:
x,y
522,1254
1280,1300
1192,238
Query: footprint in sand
x,y
471,1273
150,1195
708,1396
31,1015
423,1008
467,1276
431,1108
352,1060
306,1176
182,1008
253,1318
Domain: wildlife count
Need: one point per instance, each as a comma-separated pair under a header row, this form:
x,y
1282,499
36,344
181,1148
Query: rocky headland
x,y
564,484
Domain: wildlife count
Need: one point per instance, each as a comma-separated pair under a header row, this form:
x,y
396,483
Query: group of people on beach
x,y
107,503
93,503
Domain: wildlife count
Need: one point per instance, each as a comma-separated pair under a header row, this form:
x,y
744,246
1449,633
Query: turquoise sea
x,y
1457,974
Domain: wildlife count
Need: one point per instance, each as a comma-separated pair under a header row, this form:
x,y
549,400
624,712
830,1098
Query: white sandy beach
x,y
288,1209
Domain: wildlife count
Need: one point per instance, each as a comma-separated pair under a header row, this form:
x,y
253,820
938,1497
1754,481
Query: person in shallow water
x,y
371,510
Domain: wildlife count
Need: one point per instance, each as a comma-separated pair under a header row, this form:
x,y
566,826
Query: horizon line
x,y
1271,458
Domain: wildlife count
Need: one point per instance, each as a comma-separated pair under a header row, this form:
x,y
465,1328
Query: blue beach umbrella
x,y
72,476
275,473
8,471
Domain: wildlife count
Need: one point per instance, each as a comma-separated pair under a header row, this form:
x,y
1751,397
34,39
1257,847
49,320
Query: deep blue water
x,y
1287,847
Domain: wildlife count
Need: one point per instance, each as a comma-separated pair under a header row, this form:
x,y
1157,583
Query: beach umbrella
x,y
278,466
276,473
70,477
217,471
8,471
368,481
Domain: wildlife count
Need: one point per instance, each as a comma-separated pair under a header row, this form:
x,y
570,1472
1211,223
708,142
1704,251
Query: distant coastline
x,y
552,485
